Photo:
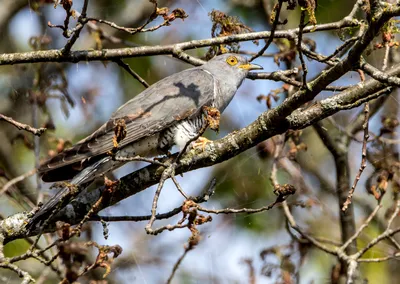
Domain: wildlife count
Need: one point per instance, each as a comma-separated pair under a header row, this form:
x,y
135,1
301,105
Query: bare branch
x,y
22,126
363,157
16,180
133,73
111,54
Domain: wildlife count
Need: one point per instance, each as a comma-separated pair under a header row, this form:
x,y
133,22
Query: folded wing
x,y
172,99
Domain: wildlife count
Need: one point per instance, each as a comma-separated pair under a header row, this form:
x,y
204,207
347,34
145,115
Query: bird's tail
x,y
69,190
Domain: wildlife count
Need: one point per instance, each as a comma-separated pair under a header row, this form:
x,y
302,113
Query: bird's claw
x,y
201,142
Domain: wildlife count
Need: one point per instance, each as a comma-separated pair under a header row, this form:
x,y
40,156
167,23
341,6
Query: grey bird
x,y
169,112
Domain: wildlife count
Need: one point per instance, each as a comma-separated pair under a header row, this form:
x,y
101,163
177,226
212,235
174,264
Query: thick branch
x,y
216,152
288,115
120,53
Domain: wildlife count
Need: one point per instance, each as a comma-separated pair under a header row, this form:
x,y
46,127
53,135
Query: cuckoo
x,y
169,112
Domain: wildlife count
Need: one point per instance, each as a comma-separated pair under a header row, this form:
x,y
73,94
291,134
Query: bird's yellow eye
x,y
232,60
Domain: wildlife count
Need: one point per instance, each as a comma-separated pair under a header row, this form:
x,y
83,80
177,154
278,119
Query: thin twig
x,y
204,197
380,259
178,53
15,180
387,233
279,199
27,278
180,189
137,218
299,48
246,52
82,20
22,126
363,158
36,139
168,172
312,240
140,159
386,57
5,263
130,71
241,210
361,228
277,9
279,142
355,8
395,214
282,76
345,44
131,31
177,263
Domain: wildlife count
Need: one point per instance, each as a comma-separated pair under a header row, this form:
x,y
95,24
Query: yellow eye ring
x,y
232,60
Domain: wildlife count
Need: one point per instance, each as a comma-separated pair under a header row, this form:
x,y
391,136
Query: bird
x,y
169,112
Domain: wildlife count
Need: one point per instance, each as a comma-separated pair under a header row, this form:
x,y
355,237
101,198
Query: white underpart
x,y
183,133
186,131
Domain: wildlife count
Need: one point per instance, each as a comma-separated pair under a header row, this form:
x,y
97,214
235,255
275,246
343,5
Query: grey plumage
x,y
168,112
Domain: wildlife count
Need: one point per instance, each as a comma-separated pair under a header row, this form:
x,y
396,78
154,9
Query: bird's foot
x,y
201,142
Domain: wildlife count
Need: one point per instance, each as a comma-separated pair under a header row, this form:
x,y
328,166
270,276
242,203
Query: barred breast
x,y
180,133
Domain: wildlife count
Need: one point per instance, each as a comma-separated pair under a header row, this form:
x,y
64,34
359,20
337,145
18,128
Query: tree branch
x,y
216,152
120,53
22,126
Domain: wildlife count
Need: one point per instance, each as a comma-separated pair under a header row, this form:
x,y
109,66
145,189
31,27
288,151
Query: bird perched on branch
x,y
170,112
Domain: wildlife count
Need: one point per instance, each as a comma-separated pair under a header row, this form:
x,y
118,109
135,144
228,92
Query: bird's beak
x,y
249,66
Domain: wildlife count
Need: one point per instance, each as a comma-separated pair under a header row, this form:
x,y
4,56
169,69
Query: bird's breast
x,y
181,133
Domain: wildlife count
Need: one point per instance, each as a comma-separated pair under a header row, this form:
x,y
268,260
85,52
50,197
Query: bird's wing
x,y
171,99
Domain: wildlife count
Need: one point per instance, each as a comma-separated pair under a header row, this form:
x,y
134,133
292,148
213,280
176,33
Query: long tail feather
x,y
79,183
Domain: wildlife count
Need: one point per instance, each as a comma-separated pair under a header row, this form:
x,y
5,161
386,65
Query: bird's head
x,y
230,70
232,64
